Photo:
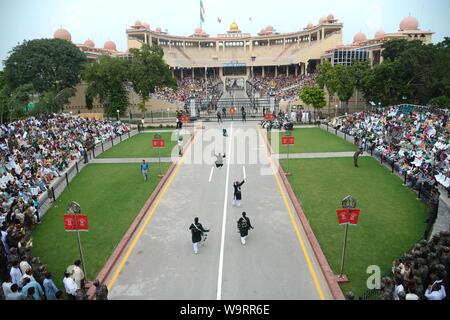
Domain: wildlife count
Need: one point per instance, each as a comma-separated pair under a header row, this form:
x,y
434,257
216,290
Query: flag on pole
x,y
202,12
219,20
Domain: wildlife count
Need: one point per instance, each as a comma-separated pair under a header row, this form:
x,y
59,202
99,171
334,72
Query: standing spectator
x,y
70,286
14,294
24,265
144,169
219,117
30,294
78,274
244,225
6,286
28,283
50,287
16,274
244,116
237,197
436,291
36,206
398,288
197,231
101,291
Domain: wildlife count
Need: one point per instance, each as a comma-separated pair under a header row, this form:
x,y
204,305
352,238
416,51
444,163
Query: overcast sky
x,y
103,20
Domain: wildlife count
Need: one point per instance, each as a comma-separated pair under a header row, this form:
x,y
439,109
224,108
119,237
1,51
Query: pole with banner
x,y
158,143
347,215
75,221
287,140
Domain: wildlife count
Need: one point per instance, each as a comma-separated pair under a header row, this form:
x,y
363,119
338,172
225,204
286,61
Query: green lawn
x,y
391,219
140,146
111,195
315,140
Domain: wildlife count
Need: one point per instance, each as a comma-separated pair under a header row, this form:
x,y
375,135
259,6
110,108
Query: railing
x,y
58,186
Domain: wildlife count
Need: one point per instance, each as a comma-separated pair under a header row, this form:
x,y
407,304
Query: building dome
x,y
379,34
138,23
330,17
309,25
269,29
234,28
89,43
158,30
146,25
62,34
198,30
110,45
359,37
409,23
322,20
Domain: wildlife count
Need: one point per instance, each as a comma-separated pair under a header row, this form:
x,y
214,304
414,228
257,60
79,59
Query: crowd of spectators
x,y
188,87
33,153
283,87
416,142
422,274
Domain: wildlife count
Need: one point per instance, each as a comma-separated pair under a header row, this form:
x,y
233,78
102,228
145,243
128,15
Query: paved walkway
x,y
276,263
130,160
318,155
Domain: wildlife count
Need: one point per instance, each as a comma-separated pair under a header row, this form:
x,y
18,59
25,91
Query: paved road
x,y
273,264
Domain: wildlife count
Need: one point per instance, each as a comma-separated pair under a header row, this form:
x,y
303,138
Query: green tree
x,y
345,83
46,64
360,71
106,80
313,96
327,78
440,102
148,71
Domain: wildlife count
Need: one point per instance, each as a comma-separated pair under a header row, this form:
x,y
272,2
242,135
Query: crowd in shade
x,y
422,274
283,87
33,153
416,142
188,87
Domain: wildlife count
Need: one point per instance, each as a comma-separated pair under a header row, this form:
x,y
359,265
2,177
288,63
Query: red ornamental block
x,y
158,143
81,222
343,216
287,140
69,222
348,216
353,216
268,116
185,118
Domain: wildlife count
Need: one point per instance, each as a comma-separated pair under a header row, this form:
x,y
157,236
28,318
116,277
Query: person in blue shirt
x,y
50,287
144,169
36,206
38,292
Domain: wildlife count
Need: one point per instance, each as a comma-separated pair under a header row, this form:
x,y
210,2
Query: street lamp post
x,y
118,111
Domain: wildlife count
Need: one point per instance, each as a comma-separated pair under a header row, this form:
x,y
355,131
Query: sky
x,y
103,20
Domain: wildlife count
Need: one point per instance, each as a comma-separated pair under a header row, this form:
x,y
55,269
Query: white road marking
x,y
243,170
211,174
225,204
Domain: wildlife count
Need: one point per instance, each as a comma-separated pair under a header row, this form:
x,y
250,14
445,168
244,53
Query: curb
x,y
321,259
112,260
